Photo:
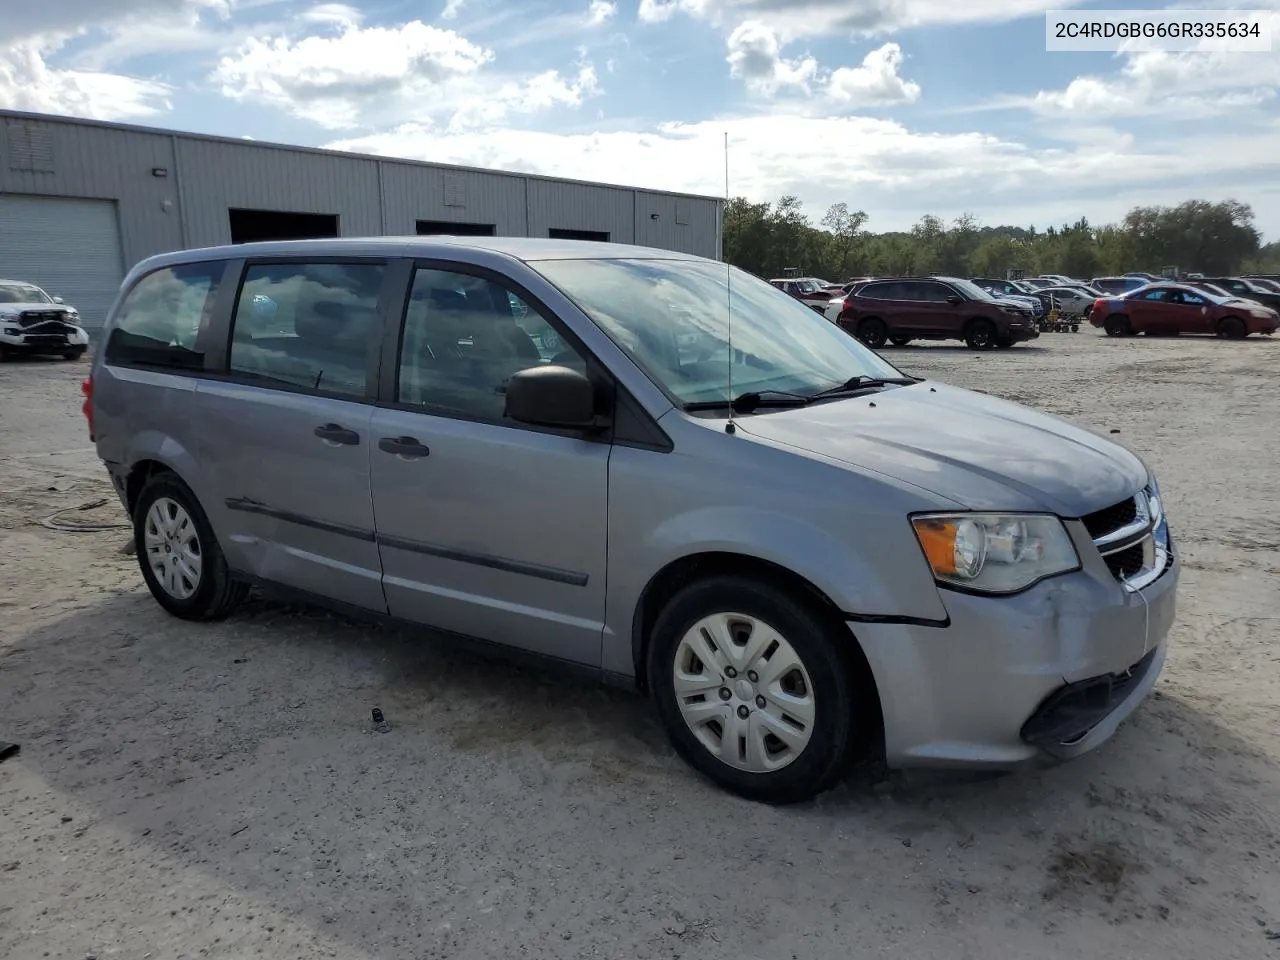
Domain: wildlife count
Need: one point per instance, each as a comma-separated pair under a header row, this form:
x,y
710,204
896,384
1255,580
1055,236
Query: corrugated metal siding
x,y
69,248
103,164
412,193
697,233
204,178
218,176
573,206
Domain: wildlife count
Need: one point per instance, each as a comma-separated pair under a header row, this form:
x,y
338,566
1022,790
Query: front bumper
x,y
994,687
55,336
1020,331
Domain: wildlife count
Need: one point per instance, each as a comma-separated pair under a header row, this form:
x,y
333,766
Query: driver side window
x,y
464,337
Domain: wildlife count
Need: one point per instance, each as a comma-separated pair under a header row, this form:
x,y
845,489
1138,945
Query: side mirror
x,y
954,300
58,300
552,396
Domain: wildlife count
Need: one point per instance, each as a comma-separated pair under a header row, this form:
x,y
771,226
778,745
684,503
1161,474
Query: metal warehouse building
x,y
83,201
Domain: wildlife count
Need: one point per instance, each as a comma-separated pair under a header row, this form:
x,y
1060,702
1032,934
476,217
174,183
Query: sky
x,y
897,107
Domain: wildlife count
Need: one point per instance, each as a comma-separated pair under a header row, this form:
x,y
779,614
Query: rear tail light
x,y
1097,304
87,407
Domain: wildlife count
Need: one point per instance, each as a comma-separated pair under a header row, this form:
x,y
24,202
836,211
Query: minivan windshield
x,y
22,293
671,318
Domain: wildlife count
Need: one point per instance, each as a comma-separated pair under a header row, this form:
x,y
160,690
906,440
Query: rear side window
x,y
881,291
310,326
161,317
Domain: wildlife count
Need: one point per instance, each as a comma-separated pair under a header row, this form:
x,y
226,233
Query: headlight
x,y
993,552
9,315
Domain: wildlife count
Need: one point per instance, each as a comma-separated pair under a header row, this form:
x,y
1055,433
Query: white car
x,y
31,321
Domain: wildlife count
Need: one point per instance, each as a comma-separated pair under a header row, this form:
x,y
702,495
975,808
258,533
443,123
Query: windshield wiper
x,y
861,382
747,402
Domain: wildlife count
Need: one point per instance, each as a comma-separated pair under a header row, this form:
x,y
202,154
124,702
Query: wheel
x,y
1075,328
1232,328
757,689
1117,325
74,353
899,341
873,332
980,334
179,556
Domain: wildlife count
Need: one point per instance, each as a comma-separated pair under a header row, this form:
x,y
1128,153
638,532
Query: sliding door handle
x,y
338,434
407,447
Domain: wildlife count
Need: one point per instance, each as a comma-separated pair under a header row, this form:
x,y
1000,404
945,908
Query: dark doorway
x,y
558,233
427,228
251,226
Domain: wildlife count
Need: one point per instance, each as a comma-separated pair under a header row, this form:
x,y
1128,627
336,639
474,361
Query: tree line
x,y
1196,237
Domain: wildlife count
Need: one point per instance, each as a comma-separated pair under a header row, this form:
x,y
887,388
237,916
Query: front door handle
x,y
336,433
407,447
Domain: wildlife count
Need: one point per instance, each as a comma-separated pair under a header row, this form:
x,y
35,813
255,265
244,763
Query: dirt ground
x,y
191,791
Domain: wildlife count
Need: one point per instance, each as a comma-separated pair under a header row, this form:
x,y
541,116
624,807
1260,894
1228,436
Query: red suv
x,y
933,308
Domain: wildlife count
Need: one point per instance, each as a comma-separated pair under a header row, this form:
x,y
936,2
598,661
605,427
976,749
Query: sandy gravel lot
x,y
215,791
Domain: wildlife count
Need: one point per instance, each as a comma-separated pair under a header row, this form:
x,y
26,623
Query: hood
x,y
40,307
979,451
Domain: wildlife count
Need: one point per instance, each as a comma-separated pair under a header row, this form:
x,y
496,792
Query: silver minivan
x,y
648,465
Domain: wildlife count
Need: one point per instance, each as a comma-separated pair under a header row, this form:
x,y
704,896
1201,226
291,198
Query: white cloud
x,y
1173,84
27,82
755,57
451,8
372,76
335,80
599,11
794,19
335,14
64,18
894,173
875,83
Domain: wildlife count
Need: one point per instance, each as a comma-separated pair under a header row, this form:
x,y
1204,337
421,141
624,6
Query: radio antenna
x,y
728,286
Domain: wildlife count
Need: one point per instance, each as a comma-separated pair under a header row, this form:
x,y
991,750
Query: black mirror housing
x,y
552,396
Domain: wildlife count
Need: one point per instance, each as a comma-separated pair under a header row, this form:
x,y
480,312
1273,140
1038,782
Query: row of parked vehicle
x,y
987,312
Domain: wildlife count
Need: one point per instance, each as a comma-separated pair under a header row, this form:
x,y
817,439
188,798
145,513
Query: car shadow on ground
x,y
245,750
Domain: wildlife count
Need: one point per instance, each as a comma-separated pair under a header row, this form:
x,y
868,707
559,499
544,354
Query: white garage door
x,y
71,248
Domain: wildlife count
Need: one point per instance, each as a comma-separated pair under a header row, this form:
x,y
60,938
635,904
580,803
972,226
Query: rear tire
x,y
873,332
1232,328
1117,325
899,341
75,353
980,334
715,719
179,556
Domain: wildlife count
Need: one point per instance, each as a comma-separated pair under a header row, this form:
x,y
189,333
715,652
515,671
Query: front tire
x,y
899,341
74,353
980,334
179,556
1232,328
1117,325
756,688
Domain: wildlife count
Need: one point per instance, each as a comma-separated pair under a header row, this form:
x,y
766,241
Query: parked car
x,y
1009,291
33,322
1056,279
1272,286
1070,300
1173,308
1036,283
1245,289
933,308
874,580
810,292
1113,286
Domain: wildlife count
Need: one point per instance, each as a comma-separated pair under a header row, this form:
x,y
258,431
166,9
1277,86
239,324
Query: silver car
x,y
648,465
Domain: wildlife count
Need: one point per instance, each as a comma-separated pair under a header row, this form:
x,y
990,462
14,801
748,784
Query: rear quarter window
x,y
160,320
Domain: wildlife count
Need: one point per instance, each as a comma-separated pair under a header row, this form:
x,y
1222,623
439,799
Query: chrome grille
x,y
1133,539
